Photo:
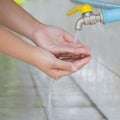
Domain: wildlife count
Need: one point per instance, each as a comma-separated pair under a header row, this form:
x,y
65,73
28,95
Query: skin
x,y
42,59
59,42
53,44
48,37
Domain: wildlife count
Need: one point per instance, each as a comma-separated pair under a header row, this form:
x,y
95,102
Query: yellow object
x,y
19,2
82,9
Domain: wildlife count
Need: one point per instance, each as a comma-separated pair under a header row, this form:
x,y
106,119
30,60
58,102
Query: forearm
x,y
15,47
17,19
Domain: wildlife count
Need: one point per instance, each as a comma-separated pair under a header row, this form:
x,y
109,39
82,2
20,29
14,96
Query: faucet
x,y
88,17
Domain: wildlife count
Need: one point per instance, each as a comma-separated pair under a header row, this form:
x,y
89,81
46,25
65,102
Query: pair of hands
x,y
56,54
61,55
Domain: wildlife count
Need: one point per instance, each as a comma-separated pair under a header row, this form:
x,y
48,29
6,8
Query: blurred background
x,y
91,93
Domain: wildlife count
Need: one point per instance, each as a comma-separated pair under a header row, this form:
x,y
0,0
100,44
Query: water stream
x,y
50,97
76,33
52,83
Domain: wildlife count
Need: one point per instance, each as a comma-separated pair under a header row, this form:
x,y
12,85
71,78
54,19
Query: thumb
x,y
68,37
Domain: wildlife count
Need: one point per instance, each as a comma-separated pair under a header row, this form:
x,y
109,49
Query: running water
x,y
76,35
50,96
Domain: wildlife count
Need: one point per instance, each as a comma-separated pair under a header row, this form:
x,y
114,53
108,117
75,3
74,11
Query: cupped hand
x,y
58,42
54,67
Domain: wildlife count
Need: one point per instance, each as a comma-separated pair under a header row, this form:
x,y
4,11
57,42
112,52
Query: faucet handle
x,y
86,8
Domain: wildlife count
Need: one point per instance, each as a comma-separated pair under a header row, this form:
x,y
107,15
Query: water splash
x,y
76,33
50,96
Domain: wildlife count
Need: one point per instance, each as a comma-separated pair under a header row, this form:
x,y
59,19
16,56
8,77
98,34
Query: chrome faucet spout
x,y
88,19
79,24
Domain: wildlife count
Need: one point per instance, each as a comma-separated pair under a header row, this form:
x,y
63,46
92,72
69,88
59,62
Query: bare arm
x,y
43,60
15,47
51,38
17,19
48,38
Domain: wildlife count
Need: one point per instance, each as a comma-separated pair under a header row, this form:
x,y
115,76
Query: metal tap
x,y
88,18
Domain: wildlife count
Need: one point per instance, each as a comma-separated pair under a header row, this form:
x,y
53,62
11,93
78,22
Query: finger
x,y
64,51
82,50
68,37
63,65
79,63
87,48
73,58
69,52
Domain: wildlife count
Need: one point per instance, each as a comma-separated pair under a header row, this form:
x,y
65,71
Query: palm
x,y
57,41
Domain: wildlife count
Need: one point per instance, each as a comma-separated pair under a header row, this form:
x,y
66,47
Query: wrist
x,y
37,28
36,57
